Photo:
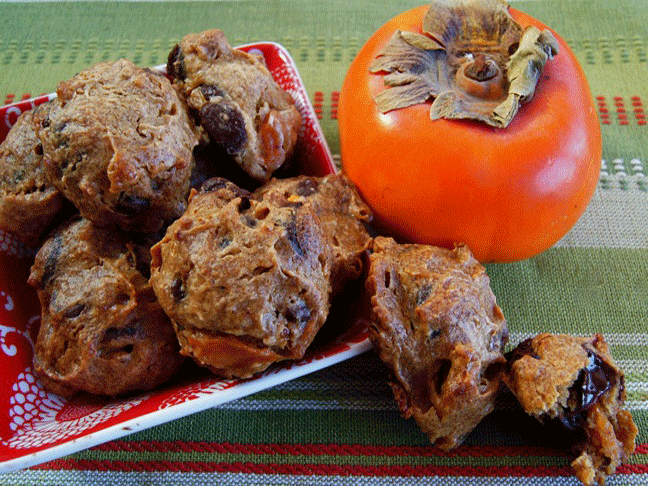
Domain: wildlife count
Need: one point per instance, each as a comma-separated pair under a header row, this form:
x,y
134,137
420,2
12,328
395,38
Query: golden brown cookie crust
x,y
102,330
235,100
576,381
439,330
343,215
29,204
117,142
234,268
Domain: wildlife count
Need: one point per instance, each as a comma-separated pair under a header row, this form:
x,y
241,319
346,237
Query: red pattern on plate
x,y
36,426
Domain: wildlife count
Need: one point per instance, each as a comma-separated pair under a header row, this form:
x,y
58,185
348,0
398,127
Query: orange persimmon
x,y
508,193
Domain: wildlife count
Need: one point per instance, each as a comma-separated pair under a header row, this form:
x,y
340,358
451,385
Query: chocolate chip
x,y
74,311
434,333
214,184
423,294
175,63
594,380
178,290
573,420
295,238
525,348
211,91
244,205
131,204
51,261
224,125
299,312
307,187
113,333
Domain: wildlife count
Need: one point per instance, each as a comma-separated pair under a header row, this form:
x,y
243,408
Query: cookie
x,y
437,327
246,283
117,142
102,330
29,204
236,102
343,215
575,381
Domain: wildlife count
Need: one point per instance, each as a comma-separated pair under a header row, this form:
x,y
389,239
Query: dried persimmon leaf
x,y
414,75
464,57
524,69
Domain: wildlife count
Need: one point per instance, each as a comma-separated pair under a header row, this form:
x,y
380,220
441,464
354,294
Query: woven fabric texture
x,y
341,425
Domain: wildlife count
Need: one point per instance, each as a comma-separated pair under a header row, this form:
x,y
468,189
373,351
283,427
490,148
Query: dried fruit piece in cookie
x,y
438,328
117,142
246,283
29,204
234,98
575,380
102,330
342,212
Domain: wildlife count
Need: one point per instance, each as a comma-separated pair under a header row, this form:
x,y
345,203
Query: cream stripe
x,y
376,404
612,338
615,218
47,478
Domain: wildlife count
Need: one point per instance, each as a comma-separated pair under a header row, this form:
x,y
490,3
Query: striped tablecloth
x,y
341,425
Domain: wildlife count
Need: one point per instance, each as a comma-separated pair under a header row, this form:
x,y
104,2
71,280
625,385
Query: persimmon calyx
x,y
473,60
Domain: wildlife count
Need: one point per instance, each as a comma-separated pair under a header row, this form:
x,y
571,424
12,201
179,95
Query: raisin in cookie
x,y
436,325
102,330
235,100
343,215
117,142
575,381
29,204
245,282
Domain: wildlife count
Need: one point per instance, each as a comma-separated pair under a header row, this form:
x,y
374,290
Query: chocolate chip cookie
x,y
236,102
343,215
102,330
245,282
575,381
29,204
436,325
117,142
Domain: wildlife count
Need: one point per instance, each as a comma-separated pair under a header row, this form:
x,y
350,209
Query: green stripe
x,y
574,291
325,459
40,54
384,428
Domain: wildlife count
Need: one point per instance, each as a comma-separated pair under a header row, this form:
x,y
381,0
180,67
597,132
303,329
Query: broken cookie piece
x,y
233,97
436,325
575,381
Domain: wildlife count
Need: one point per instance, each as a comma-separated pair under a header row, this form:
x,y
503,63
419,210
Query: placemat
x,y
341,425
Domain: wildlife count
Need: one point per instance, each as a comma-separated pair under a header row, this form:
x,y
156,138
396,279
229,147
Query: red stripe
x,y
325,449
313,450
304,469
641,449
318,469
